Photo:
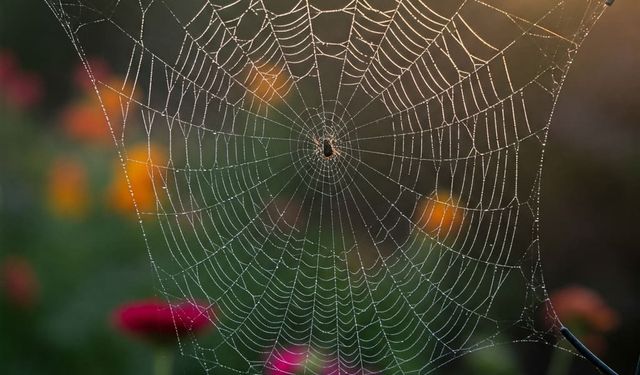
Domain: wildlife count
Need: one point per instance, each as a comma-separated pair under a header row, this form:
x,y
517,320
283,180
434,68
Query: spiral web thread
x,y
355,181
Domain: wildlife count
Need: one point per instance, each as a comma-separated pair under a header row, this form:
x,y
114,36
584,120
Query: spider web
x,y
356,180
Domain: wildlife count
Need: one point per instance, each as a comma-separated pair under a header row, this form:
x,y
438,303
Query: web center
x,y
323,152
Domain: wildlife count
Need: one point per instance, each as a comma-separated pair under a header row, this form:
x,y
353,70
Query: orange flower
x,y
117,97
585,312
67,188
268,82
439,214
99,69
145,176
19,282
85,120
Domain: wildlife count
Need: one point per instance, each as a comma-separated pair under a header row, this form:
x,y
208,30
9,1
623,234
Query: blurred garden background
x,y
71,251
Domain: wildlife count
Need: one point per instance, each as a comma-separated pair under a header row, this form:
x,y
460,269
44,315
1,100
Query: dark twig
x,y
597,362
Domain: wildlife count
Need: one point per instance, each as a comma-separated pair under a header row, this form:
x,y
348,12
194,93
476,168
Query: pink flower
x,y
161,322
298,359
585,312
19,282
289,360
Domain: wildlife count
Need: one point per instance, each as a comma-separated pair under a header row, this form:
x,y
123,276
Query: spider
x,y
325,147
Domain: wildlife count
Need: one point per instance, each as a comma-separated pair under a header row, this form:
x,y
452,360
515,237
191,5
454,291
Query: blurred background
x,y
71,250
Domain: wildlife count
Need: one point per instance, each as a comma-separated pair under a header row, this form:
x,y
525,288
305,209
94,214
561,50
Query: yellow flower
x,y
439,215
67,188
145,175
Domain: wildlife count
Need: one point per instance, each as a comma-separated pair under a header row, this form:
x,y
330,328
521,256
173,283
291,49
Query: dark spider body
x,y
327,148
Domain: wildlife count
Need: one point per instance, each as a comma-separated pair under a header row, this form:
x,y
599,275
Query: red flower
x,y
19,282
24,90
162,322
586,313
8,67
20,89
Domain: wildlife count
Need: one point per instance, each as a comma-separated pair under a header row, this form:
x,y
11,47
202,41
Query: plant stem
x,y
163,361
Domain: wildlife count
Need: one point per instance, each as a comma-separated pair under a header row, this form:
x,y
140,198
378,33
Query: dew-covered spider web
x,y
356,182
